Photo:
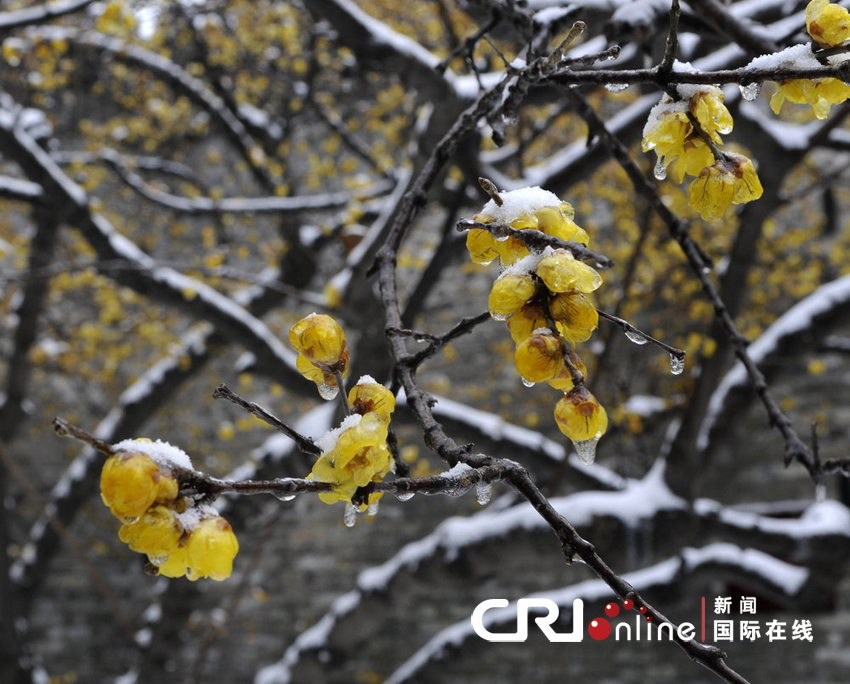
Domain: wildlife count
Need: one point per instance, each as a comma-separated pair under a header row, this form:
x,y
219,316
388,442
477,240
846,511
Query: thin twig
x,y
65,429
628,328
305,444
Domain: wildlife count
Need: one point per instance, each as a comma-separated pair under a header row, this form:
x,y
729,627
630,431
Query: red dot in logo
x,y
628,604
649,618
612,610
642,609
599,628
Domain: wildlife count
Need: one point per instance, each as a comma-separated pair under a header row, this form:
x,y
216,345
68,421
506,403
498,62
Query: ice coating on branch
x,y
163,453
520,202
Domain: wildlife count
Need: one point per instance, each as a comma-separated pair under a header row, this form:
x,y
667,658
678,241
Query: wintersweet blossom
x,y
827,23
731,180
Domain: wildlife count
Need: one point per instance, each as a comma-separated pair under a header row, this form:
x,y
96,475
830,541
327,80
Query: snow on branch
x,y
754,565
40,14
810,315
21,190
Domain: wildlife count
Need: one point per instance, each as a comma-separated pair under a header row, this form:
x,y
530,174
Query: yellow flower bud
x,y
321,340
509,294
580,416
561,272
553,221
575,316
130,483
564,381
211,548
526,321
731,180
827,23
371,397
540,357
481,246
156,533
176,564
511,250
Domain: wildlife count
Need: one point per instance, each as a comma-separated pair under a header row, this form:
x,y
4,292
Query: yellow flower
x,y
210,550
580,416
481,246
360,456
540,357
131,482
820,93
731,180
827,23
574,315
371,397
708,108
695,156
322,342
562,272
564,381
156,533
526,321
175,565
511,250
666,130
553,221
509,294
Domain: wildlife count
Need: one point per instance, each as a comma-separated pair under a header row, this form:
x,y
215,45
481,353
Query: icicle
x,y
660,171
527,383
677,365
483,490
284,496
350,515
327,392
586,450
404,496
616,87
373,509
750,91
636,337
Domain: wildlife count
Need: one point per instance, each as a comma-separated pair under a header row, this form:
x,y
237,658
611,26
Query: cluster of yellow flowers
x,y
543,296
322,352
829,26
140,486
355,453
722,178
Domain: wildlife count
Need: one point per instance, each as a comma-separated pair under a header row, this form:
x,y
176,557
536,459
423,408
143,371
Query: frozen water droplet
x,y
284,496
586,449
498,317
373,509
677,365
482,493
350,515
404,496
158,560
130,520
527,383
508,119
660,171
635,337
327,392
616,87
750,91
820,493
